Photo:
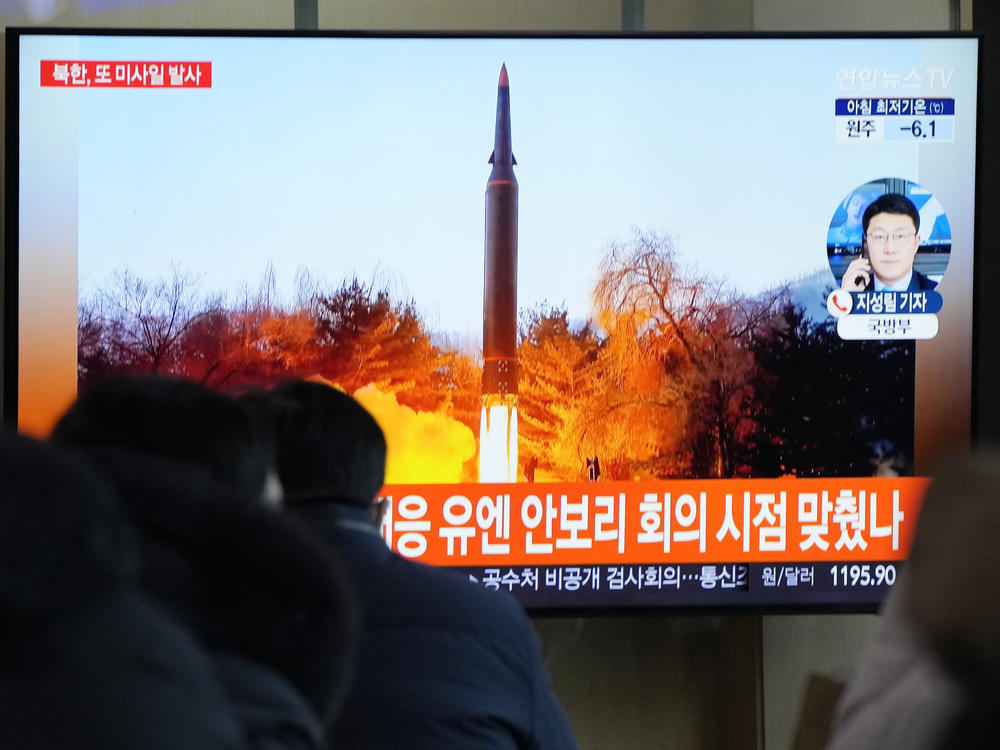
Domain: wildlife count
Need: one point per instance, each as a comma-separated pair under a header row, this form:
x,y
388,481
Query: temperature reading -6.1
x,y
863,575
919,129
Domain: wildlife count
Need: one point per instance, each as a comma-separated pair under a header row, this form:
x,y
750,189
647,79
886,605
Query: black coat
x,y
251,582
86,659
442,662
267,600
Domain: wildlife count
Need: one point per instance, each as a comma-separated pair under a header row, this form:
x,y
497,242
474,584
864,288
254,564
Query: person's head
x,y
328,445
63,539
953,566
168,419
891,224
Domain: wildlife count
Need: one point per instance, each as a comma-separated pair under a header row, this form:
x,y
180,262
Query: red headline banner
x,y
682,521
126,74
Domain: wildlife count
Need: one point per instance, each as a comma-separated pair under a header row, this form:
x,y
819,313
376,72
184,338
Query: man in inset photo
x,y
890,224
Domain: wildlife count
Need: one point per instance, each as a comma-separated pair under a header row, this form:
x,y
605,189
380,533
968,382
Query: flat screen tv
x,y
647,321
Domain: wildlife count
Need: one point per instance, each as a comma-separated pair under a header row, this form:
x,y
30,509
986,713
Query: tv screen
x,y
647,322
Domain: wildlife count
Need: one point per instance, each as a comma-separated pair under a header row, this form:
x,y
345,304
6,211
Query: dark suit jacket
x,y
920,283
443,663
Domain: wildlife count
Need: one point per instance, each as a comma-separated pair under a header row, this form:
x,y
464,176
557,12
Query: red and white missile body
x,y
498,419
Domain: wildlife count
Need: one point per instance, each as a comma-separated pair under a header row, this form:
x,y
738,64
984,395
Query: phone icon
x,y
839,303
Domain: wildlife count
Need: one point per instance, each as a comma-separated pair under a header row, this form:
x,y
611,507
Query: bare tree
x,y
137,325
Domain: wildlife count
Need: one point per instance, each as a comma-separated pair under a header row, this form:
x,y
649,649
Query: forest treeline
x,y
673,376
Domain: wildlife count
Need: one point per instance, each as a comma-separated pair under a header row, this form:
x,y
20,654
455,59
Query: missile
x,y
500,278
498,420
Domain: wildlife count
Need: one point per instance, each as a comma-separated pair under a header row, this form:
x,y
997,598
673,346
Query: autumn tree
x,y
354,336
633,418
679,358
249,344
364,336
553,385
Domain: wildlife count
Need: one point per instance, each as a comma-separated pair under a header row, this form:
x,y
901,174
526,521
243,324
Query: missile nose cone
x,y
502,158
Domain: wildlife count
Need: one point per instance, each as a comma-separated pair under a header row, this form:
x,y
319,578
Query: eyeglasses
x,y
879,238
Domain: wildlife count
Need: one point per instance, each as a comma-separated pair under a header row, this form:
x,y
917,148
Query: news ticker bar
x,y
732,584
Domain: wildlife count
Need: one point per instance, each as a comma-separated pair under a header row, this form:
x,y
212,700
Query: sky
x,y
368,157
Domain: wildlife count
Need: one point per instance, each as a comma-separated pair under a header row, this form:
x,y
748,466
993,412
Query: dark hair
x,y
173,419
328,445
891,203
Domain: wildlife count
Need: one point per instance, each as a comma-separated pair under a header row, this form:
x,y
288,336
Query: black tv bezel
x,y
9,263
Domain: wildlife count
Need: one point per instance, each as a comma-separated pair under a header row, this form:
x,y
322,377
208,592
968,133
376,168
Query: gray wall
x,y
631,681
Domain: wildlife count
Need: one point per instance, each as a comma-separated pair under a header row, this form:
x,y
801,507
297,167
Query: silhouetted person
x,y
529,469
86,659
443,662
593,469
268,600
954,599
931,674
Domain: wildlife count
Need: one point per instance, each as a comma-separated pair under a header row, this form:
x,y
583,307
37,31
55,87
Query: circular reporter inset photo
x,y
889,234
